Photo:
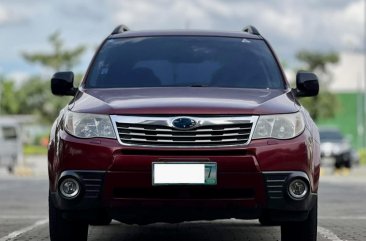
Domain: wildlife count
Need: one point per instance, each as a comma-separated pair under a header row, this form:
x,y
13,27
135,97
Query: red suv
x,y
172,126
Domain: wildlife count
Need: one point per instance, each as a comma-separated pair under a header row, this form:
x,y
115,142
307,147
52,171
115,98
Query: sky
x,y
289,25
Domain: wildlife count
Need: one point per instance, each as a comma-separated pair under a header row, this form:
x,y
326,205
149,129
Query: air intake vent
x,y
275,184
93,182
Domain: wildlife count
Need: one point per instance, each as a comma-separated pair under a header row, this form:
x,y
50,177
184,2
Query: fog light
x,y
297,189
69,188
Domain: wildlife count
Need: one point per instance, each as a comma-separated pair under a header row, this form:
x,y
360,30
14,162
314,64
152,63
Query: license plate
x,y
184,173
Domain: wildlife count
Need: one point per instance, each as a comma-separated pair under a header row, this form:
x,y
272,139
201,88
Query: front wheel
x,y
265,220
62,229
301,231
101,222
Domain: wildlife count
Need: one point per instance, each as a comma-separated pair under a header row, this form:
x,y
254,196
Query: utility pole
x,y
360,112
1,95
364,76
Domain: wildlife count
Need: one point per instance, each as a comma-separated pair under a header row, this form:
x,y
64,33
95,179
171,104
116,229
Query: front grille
x,y
210,132
208,135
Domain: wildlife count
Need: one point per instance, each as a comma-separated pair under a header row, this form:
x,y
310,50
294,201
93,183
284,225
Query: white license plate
x,y
184,173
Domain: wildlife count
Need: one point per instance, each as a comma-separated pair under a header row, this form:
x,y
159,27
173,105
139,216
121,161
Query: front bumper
x,y
117,181
182,203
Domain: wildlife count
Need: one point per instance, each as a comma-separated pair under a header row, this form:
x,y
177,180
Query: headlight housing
x,y
282,126
83,125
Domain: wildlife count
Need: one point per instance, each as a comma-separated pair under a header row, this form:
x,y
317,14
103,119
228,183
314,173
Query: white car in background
x,y
10,144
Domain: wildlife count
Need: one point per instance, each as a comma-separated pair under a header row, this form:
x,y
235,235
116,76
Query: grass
x,y
362,154
29,150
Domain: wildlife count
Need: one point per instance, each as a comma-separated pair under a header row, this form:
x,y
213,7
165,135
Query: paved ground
x,y
23,215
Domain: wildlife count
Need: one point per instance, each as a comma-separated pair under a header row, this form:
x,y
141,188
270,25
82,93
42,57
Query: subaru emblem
x,y
184,123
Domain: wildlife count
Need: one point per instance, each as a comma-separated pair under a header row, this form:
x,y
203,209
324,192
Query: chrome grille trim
x,y
209,132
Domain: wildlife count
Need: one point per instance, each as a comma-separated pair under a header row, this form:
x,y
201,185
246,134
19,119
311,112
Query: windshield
x,y
179,61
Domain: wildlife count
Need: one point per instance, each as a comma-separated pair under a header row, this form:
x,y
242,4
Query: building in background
x,y
348,82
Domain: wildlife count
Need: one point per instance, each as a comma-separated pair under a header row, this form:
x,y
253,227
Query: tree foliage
x,y
60,58
9,103
318,61
325,104
34,95
36,98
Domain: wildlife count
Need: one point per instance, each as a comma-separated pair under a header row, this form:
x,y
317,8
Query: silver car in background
x,y
336,150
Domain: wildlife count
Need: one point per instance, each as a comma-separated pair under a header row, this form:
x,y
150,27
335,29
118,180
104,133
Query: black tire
x,y
102,222
348,164
62,229
338,163
264,220
301,231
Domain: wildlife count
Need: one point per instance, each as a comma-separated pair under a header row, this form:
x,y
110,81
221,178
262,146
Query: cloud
x,y
10,16
4,15
323,25
347,25
288,24
80,11
161,14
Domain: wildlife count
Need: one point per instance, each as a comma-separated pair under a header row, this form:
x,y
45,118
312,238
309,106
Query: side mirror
x,y
307,84
62,83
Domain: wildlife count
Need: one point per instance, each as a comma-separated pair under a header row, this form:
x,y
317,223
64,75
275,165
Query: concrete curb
x,y
35,166
23,171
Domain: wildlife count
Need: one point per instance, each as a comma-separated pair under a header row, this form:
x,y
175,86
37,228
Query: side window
x,y
9,133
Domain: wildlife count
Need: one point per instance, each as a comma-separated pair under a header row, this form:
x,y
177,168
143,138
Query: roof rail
x,y
251,29
120,29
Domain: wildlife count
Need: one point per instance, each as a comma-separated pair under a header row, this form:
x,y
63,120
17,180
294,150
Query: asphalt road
x,y
342,217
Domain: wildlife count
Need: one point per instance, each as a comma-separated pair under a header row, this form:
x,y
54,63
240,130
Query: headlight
x,y
88,125
284,126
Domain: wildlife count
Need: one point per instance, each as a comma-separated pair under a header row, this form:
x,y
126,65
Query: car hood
x,y
184,101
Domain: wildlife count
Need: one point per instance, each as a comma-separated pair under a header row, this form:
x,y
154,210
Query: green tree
x,y
9,103
325,104
34,96
60,58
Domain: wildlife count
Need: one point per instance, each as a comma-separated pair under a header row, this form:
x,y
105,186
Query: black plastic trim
x,y
283,201
251,29
120,29
85,200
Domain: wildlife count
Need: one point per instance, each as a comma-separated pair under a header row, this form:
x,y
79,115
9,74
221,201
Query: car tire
x,y
348,164
62,229
102,222
264,220
301,231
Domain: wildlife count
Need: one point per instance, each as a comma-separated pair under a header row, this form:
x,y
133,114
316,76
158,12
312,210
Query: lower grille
x,y
184,193
159,131
93,183
275,184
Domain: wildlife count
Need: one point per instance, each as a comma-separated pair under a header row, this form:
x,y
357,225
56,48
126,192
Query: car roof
x,y
152,33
